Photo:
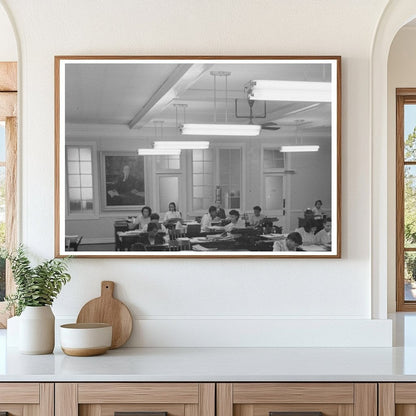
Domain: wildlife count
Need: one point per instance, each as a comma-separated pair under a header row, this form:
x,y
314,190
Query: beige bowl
x,y
83,340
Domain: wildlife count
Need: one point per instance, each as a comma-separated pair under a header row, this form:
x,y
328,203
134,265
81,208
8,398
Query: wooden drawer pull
x,y
295,414
139,414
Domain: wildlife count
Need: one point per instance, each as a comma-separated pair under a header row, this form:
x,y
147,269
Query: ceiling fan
x,y
269,125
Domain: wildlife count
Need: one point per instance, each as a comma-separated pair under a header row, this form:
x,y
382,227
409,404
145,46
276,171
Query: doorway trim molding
x,y
396,14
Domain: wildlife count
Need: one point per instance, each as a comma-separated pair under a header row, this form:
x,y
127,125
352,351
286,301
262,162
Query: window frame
x,y
8,113
192,178
94,214
403,96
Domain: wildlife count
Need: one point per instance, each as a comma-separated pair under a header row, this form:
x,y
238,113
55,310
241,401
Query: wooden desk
x,y
319,222
273,237
125,239
315,247
119,226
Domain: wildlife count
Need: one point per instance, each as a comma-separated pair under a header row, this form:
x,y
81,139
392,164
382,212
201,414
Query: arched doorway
x,y
396,15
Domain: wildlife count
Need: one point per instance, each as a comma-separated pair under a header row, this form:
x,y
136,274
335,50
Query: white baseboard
x,y
258,332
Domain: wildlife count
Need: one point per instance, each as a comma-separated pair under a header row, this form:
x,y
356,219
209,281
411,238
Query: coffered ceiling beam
x,y
178,81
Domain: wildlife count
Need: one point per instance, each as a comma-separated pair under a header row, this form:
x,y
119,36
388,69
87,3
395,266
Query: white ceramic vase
x,y
37,330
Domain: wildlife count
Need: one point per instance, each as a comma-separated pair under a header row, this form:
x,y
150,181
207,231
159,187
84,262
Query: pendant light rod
x,y
160,124
178,107
224,74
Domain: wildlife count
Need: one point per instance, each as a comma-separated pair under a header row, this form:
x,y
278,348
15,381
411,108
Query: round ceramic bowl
x,y
83,340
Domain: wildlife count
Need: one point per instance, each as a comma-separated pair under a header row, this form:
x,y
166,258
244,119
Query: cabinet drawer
x,y
145,399
21,399
138,393
297,399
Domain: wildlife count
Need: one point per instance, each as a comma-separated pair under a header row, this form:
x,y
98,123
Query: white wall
x,y
401,74
212,302
8,46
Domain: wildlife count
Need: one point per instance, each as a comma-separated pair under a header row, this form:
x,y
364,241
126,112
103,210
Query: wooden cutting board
x,y
107,309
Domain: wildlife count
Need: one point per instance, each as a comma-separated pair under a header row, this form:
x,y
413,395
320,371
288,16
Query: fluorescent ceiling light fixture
x,y
221,129
268,90
156,152
182,145
300,148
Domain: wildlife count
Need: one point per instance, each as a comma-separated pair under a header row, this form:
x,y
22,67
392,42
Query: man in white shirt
x,y
206,220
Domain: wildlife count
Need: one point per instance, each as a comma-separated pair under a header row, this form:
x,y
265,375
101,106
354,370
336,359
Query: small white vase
x,y
37,330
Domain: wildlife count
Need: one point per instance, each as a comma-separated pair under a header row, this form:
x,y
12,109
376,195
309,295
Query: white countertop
x,y
222,364
215,364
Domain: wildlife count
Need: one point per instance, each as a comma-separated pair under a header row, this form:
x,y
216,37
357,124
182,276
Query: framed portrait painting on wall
x,y
198,156
122,181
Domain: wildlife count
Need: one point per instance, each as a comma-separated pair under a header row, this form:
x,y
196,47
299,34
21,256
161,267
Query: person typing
x,y
154,219
206,220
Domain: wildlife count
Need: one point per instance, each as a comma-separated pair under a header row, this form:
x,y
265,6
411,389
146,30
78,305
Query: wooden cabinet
x,y
106,399
27,399
397,399
264,399
208,399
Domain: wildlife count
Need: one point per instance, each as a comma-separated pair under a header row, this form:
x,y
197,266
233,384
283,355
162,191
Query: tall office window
x,y
230,173
79,179
202,179
406,200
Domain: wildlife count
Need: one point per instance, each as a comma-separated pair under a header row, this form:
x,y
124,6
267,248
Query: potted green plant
x,y
36,289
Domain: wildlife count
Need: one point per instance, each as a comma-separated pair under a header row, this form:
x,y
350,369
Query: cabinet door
x,y
26,399
142,399
297,399
397,399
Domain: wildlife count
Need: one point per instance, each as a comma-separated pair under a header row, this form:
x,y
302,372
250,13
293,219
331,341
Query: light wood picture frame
x,y
271,127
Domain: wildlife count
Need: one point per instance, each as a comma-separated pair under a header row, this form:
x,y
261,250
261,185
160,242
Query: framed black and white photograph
x,y
198,157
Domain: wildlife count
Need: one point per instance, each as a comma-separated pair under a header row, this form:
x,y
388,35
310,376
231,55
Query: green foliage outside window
x,y
410,205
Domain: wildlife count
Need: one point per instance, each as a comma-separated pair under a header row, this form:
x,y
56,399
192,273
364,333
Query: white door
x,y
274,203
169,189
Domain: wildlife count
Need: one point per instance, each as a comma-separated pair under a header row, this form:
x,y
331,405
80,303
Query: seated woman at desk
x,y
142,219
324,236
154,235
257,218
317,209
154,219
307,232
172,214
206,220
236,222
290,243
